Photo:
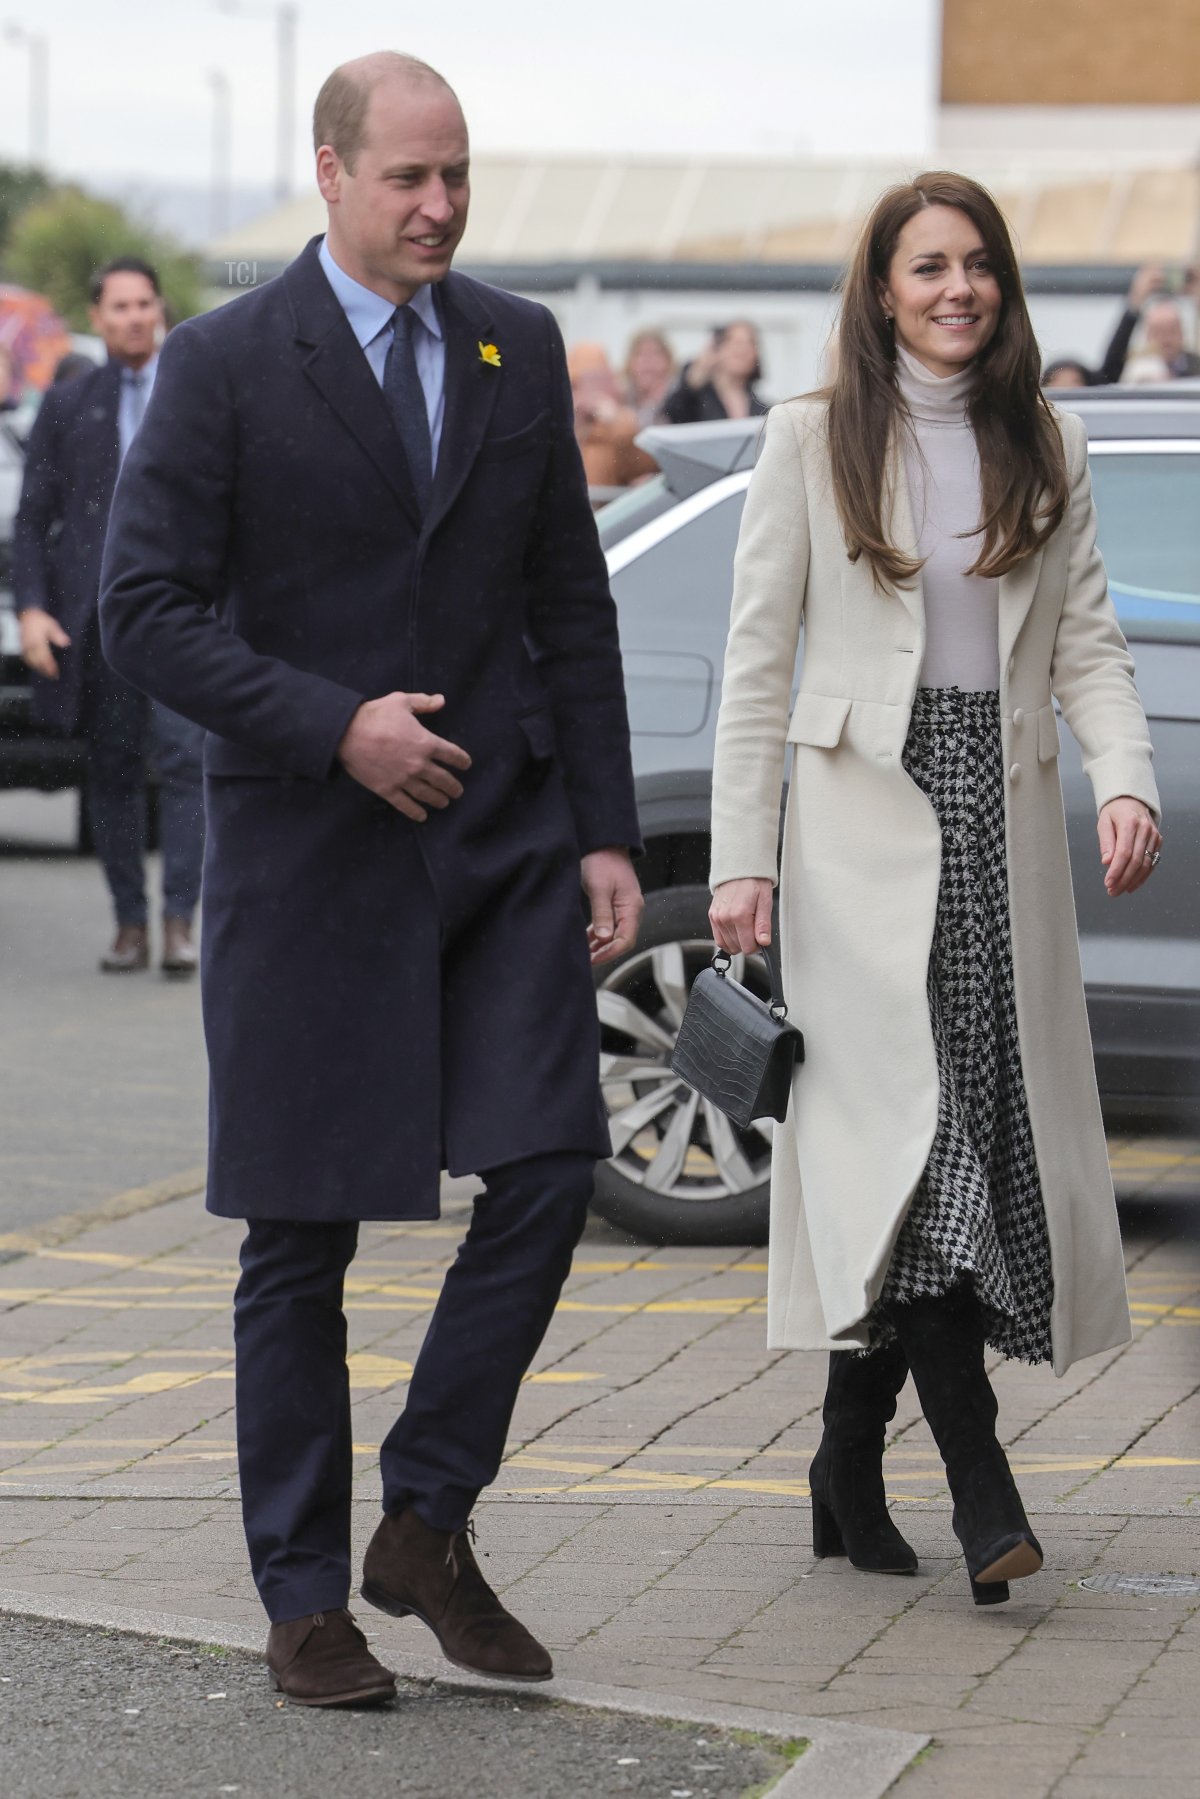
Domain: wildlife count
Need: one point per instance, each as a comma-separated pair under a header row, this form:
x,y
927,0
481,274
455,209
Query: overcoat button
x,y
1018,715
1014,771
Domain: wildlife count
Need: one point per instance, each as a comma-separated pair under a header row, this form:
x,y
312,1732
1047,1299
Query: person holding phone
x,y
942,1185
721,381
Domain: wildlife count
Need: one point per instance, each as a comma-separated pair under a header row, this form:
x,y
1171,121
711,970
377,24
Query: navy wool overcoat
x,y
58,535
382,999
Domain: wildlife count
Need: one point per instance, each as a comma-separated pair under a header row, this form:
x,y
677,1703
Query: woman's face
x,y
738,352
649,367
942,291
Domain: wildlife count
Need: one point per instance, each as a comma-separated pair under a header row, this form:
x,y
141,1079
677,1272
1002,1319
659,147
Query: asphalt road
x,y
102,1077
85,1714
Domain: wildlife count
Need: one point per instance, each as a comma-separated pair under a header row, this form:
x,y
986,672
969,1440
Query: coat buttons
x,y
1018,715
1014,771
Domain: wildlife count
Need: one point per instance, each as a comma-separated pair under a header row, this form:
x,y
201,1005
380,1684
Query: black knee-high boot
x,y
850,1514
943,1339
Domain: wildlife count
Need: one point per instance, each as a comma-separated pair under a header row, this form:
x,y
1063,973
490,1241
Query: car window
x,y
633,509
679,589
1148,507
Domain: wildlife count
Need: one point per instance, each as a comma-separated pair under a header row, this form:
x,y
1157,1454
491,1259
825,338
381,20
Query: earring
x,y
890,318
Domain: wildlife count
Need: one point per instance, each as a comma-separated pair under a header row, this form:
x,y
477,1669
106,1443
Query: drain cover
x,y
1167,1585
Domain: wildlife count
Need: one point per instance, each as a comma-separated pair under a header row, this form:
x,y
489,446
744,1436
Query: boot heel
x,y
383,1601
827,1538
988,1592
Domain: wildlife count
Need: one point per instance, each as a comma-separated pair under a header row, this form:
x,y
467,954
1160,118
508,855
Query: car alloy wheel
x,y
679,1171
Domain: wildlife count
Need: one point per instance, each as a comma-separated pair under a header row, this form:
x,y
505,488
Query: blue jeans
x,y
121,727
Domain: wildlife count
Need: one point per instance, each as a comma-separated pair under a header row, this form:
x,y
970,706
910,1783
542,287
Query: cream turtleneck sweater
x,y
941,462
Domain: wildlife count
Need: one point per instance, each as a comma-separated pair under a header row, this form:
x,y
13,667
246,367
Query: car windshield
x,y
632,509
1148,505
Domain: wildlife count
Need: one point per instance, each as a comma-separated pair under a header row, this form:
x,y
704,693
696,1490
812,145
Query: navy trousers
x,y
293,1392
120,726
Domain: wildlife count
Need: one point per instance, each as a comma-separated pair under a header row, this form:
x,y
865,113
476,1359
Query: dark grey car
x,y
680,1172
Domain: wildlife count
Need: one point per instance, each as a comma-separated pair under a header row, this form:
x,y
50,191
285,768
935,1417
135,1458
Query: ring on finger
x,y
1152,856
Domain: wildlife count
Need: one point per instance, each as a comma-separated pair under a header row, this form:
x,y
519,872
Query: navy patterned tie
x,y
406,398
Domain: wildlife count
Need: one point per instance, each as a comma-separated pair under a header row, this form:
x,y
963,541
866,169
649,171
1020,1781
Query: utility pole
x,y
39,89
286,16
285,49
221,175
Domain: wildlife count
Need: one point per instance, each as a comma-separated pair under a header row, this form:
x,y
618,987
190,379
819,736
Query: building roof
x,y
588,209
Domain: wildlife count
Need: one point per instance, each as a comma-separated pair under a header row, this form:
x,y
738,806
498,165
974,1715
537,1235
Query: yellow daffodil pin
x,y
490,354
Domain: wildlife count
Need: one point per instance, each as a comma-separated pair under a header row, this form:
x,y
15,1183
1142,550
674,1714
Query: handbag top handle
x,y
722,961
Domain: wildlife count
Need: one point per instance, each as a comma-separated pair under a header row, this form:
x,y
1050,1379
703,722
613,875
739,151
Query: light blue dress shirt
x,y
132,401
369,316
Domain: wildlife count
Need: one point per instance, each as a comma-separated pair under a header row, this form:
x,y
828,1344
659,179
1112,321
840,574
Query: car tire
x,y
680,1172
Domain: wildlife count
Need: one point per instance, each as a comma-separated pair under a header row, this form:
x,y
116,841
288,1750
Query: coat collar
x,y
472,388
335,364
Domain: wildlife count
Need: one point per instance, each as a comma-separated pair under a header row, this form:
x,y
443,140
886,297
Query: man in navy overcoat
x,y
82,431
353,541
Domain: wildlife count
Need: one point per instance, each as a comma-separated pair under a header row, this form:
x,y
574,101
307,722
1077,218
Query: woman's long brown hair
x,y
1022,467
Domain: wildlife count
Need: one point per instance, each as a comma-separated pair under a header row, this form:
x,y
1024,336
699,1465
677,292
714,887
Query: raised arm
x,y
164,568
770,573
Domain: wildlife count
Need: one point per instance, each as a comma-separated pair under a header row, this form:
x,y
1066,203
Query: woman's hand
x,y
1129,845
740,915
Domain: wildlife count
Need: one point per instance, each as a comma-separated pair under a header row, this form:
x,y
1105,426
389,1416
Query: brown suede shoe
x,y
179,952
130,952
432,1575
324,1660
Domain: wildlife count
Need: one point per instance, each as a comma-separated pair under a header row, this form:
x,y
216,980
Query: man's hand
x,y
1150,279
41,635
740,915
388,751
1129,838
616,901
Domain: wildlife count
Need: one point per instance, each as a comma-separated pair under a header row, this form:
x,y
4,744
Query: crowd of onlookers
x,y
720,382
1162,355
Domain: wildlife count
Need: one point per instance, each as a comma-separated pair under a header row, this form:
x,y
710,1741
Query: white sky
x,y
129,93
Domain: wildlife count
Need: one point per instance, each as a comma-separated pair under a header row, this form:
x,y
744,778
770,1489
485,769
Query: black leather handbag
x,y
735,1049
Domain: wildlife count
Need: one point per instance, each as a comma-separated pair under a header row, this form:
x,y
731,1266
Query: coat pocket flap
x,y
538,727
818,719
1048,739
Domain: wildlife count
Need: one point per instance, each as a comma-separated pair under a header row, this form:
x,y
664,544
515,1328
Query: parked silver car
x,y
680,1172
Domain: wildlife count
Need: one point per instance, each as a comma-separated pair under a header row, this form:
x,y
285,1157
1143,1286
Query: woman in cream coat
x,y
943,1182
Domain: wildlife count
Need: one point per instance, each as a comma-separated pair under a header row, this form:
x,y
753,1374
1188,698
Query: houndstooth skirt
x,y
977,1216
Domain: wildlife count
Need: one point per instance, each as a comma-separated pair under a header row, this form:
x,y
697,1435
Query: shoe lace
x,y
467,1533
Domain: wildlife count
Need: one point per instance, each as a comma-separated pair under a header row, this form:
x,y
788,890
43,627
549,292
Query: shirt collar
x,y
368,313
147,372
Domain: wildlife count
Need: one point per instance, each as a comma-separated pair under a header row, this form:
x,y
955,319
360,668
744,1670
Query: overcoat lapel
x,y
901,532
335,364
1016,597
472,388
103,448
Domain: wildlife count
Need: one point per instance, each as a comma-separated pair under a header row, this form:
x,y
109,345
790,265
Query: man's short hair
x,y
122,265
340,112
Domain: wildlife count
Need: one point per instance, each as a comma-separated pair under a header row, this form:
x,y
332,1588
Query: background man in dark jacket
x,y
79,439
353,540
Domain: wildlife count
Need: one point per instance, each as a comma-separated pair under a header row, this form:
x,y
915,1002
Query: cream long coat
x,y
859,879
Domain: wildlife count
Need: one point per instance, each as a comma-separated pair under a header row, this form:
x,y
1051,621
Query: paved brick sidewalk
x,y
651,1522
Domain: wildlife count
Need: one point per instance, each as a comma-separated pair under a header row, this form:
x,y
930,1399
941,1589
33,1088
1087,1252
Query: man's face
x,y
128,316
396,219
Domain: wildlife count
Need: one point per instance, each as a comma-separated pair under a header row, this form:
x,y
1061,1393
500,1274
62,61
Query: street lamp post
x,y
39,89
286,16
222,153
